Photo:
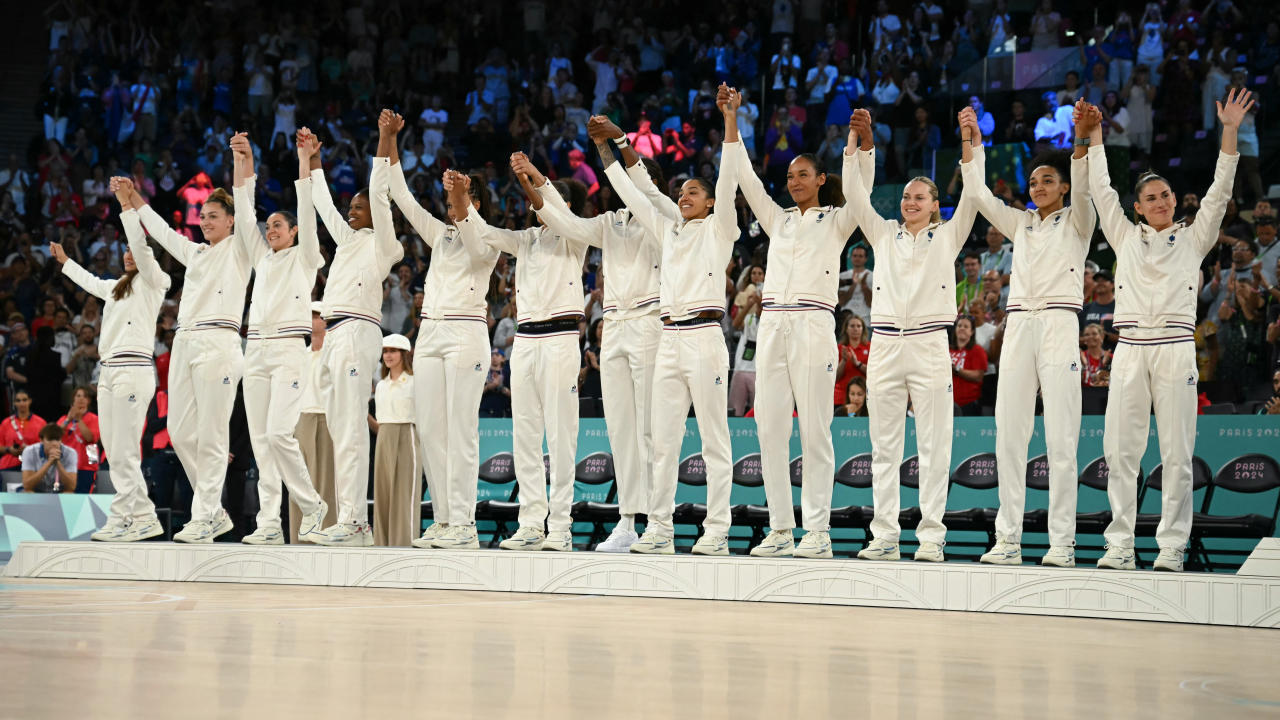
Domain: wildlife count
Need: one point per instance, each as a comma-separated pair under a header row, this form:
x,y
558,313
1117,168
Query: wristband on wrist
x,y
622,142
1081,142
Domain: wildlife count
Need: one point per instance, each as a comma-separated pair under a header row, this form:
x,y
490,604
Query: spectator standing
x,y
80,433
19,430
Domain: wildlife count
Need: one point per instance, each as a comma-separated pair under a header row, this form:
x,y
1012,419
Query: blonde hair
x,y
406,362
223,198
933,190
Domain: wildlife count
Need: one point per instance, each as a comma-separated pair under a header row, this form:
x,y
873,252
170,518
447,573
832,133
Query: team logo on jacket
x,y
948,387
573,390
294,385
820,216
226,380
477,367
133,398
719,381
352,372
829,368
1075,367
1171,239
1191,379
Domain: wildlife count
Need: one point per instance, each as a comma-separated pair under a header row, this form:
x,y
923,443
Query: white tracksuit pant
x,y
544,399
916,366
692,366
274,375
204,370
795,367
124,394
1141,374
1041,351
627,355
350,356
450,365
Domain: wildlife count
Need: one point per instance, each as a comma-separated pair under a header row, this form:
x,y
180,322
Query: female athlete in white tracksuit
x,y
276,361
1041,345
632,327
544,360
367,249
692,364
913,304
1157,277
207,362
128,379
450,365
796,353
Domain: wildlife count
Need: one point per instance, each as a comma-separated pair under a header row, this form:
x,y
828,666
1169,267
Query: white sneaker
x,y
1169,559
815,544
559,541
619,541
204,531
112,530
264,536
312,523
457,537
434,532
930,552
142,530
1118,558
1003,553
654,543
1060,556
344,535
880,550
526,538
778,543
711,545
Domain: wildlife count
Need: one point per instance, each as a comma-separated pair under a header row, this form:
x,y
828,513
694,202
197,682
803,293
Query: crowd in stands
x,y
154,91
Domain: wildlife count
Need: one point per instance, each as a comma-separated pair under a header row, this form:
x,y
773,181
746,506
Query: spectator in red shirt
x,y
854,350
18,431
968,365
80,432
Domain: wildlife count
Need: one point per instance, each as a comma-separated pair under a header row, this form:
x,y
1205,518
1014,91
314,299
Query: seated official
x,y
49,466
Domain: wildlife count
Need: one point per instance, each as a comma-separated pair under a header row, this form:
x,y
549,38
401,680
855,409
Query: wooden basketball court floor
x,y
140,650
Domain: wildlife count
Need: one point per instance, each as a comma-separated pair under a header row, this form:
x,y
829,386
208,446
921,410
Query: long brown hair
x,y
406,363
124,286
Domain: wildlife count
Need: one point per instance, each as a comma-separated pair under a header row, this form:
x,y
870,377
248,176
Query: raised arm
x,y
176,245
725,215
471,224
768,212
857,194
602,132
973,169
247,234
428,226
1213,206
557,216
1083,215
1115,226
308,238
644,210
78,275
323,202
137,240
530,179
387,244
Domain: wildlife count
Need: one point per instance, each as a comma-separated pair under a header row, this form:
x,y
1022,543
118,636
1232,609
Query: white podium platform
x,y
1214,599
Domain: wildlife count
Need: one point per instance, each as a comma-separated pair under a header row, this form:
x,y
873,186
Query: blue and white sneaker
x,y
347,534
1003,553
142,529
880,550
815,544
434,532
204,531
457,537
711,545
929,552
112,530
1118,558
1169,559
778,543
264,536
312,523
559,541
526,538
654,543
1060,556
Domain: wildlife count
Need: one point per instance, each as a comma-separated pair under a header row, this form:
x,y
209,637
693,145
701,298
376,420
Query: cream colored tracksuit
x,y
913,303
276,357
796,355
450,358
1041,347
1157,274
128,378
353,345
207,362
692,363
630,262
545,358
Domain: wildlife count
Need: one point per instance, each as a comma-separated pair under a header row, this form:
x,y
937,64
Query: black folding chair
x,y
1147,522
595,480
498,470
976,473
1250,474
854,473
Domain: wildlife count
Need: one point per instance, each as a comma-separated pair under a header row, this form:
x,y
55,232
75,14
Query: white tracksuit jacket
x,y
796,354
914,301
1157,274
276,361
1041,348
544,365
207,361
451,357
353,344
128,380
692,363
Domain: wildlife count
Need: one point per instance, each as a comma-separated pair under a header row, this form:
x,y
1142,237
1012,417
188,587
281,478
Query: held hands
x,y
523,168
456,184
308,144
969,132
601,129
241,148
860,128
390,123
1239,102
58,253
728,99
1087,118
122,187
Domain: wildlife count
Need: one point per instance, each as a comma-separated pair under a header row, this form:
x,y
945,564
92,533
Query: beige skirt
x,y
397,486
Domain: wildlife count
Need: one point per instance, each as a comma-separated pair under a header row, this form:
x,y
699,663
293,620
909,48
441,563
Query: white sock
x,y
628,522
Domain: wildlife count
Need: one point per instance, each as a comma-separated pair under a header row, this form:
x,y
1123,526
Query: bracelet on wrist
x,y
1082,142
621,142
